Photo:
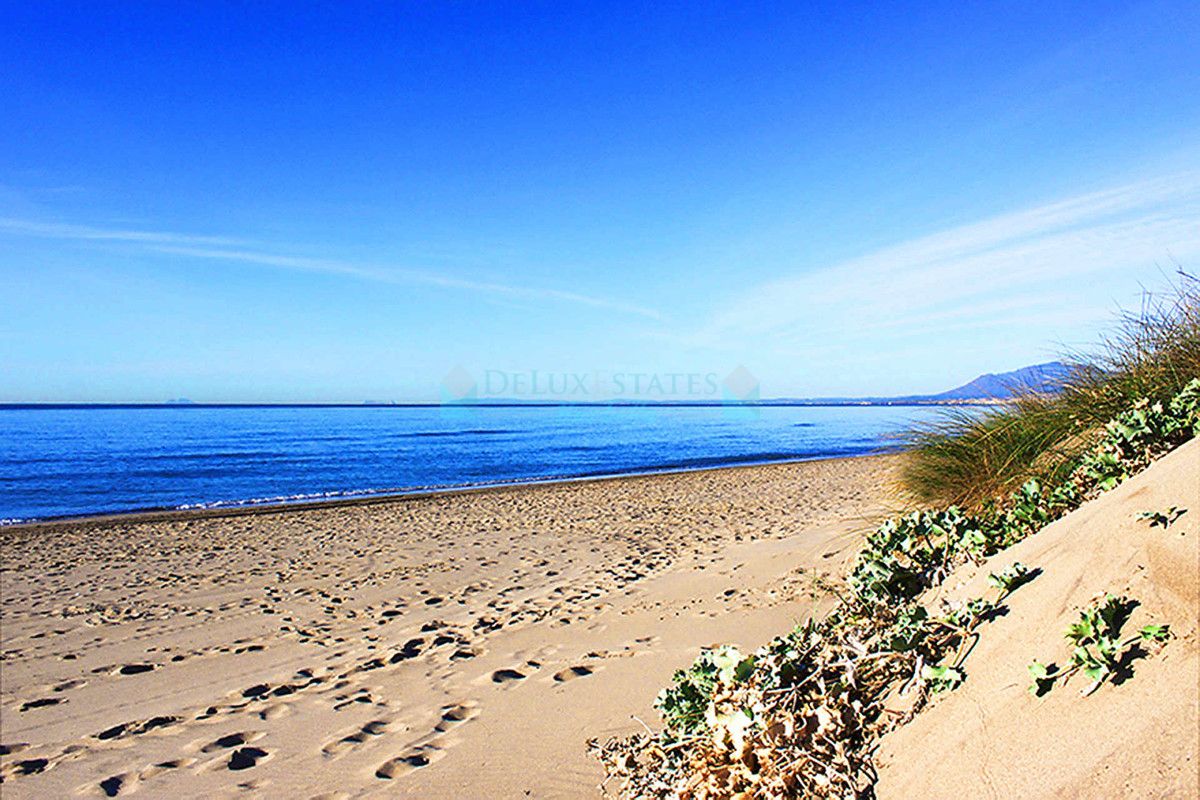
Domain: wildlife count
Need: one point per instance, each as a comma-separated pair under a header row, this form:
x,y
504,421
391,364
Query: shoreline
x,y
246,508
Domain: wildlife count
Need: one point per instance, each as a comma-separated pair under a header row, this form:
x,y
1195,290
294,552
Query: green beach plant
x,y
685,704
1097,648
942,679
1163,519
1011,578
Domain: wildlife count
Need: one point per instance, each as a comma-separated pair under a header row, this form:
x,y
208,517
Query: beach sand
x,y
457,645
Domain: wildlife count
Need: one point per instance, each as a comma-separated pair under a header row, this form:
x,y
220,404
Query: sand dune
x,y
1137,737
446,646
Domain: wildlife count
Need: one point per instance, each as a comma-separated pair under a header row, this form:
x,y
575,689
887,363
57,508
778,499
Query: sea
x,y
77,461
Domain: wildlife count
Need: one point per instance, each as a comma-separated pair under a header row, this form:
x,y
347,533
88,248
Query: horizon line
x,y
900,400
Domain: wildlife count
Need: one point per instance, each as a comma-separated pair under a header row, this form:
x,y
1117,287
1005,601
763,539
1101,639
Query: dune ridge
x,y
1136,737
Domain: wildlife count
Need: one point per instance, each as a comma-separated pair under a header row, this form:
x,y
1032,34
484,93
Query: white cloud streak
x,y
242,251
54,230
996,269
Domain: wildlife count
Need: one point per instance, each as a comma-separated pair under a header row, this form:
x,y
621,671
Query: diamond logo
x,y
459,385
740,385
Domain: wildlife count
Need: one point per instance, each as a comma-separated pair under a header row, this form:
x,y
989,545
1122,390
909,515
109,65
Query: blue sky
x,y
253,203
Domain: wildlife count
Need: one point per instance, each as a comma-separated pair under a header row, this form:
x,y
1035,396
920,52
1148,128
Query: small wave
x,y
286,498
220,454
469,432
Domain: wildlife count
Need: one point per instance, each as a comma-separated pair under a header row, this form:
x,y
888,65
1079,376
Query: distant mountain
x,y
1046,377
989,388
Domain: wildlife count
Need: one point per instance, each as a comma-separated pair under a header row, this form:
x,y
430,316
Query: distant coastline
x,y
985,390
781,403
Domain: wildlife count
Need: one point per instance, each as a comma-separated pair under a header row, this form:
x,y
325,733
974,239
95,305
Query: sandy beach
x,y
444,646
530,401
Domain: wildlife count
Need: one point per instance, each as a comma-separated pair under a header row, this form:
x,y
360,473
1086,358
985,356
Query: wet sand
x,y
441,646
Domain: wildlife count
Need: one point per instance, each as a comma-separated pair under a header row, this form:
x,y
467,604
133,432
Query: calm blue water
x,y
59,462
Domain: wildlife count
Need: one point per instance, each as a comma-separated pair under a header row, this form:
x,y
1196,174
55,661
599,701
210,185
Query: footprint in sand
x,y
246,757
230,740
31,766
350,741
457,714
402,765
164,766
42,703
507,676
571,673
113,786
134,728
136,669
274,712
411,649
359,696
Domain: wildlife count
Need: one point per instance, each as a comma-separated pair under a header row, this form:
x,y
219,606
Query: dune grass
x,y
967,457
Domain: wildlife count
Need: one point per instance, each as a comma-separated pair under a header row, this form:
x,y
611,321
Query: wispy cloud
x,y
248,252
993,271
55,230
